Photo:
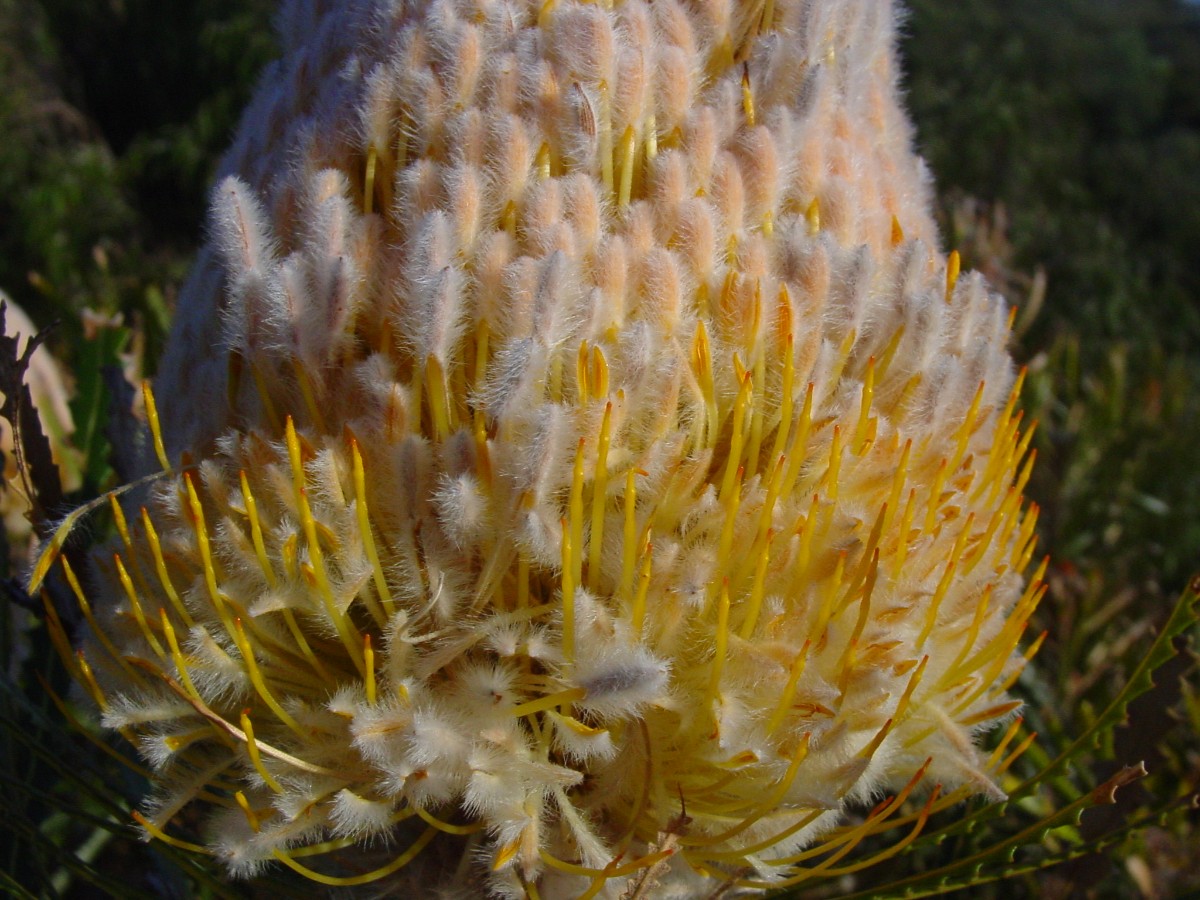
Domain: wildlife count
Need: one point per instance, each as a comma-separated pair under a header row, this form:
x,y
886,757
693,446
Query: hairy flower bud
x,y
589,477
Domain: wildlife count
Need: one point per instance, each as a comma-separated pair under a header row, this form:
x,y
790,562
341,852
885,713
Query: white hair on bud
x,y
620,680
357,817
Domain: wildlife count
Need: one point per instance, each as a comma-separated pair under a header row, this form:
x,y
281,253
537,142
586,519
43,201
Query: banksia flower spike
x,y
582,474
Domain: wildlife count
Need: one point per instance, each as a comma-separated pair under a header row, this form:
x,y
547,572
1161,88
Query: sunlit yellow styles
x,y
589,478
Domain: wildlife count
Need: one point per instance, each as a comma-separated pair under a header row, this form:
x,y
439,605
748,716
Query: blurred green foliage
x,y
114,113
1083,116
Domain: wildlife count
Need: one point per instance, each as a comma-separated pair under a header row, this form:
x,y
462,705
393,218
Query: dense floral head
x,y
587,477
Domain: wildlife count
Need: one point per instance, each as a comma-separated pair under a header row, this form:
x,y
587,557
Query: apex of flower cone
x,y
590,476
697,127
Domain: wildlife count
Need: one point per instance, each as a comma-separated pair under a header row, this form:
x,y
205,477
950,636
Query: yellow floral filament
x,y
736,438
638,612
369,663
369,180
138,613
155,427
260,686
1004,686
628,153
599,492
251,816
86,608
629,544
368,539
576,512
769,803
862,431
725,546
787,401
350,638
549,701
906,697
1016,754
756,592
765,518
256,532
935,496
210,573
177,655
829,592
722,644
613,872
441,410
160,567
605,151
89,680
889,352
806,528
789,690
840,871
829,481
812,215
446,827
701,359
953,265
850,655
903,535
352,880
943,586
747,97
306,391
966,429
255,757
568,595
158,834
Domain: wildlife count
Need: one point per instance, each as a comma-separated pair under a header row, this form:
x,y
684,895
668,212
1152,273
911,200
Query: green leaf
x,y
90,406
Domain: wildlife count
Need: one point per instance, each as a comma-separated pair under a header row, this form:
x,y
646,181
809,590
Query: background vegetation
x,y
1065,139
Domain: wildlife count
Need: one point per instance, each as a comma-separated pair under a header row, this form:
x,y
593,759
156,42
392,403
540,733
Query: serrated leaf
x,y
91,403
30,444
973,870
1184,615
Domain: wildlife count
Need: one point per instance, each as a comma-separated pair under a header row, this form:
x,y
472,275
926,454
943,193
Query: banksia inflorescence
x,y
583,474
